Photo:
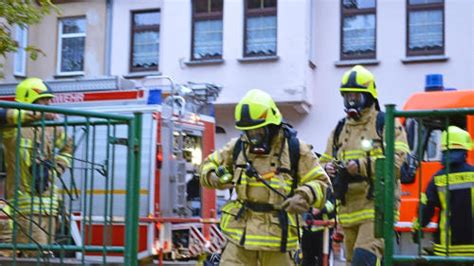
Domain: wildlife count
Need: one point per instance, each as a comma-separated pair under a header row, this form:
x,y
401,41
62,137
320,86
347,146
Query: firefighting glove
x,y
415,232
216,182
41,173
297,204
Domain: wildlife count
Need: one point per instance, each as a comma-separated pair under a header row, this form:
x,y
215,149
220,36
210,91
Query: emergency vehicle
x,y
434,97
175,138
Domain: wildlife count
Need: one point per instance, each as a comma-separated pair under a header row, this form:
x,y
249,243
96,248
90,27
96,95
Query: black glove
x,y
41,173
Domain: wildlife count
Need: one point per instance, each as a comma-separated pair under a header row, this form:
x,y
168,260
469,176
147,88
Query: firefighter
x,y
455,236
44,154
350,155
275,176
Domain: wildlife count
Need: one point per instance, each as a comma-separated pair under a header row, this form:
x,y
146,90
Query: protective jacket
x,y
253,220
359,206
36,147
459,181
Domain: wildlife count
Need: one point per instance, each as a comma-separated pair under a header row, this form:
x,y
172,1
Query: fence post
x,y
389,183
133,190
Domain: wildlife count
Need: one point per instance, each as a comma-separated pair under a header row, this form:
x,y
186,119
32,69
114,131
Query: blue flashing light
x,y
434,82
154,96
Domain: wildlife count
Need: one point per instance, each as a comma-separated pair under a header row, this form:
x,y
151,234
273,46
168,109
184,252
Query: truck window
x,y
433,147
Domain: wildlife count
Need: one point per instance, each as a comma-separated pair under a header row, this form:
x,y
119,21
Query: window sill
x,y
424,59
257,59
19,76
204,62
367,62
68,75
135,75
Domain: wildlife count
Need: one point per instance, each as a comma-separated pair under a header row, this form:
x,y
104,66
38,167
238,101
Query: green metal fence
x,y
385,185
64,172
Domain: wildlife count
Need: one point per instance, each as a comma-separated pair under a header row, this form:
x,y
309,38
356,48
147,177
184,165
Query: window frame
x,y
22,44
210,15
424,7
265,12
60,44
131,68
354,12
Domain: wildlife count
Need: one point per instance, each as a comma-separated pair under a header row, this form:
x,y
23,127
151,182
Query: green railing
x,y
72,182
385,185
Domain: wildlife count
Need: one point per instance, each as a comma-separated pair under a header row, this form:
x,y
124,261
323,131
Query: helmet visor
x,y
354,100
256,136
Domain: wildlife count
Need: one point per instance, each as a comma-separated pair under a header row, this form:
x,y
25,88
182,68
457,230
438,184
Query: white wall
x,y
395,80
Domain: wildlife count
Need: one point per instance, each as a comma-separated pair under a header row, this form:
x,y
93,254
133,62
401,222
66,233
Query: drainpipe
x,y
108,36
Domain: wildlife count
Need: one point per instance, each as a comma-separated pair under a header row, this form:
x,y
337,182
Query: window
x,y
145,41
425,27
71,46
260,28
207,29
19,61
358,29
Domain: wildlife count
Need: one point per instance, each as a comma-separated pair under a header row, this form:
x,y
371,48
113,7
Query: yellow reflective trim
x,y
208,167
454,178
442,216
104,192
65,159
402,146
423,198
329,206
268,175
356,216
318,202
312,174
215,157
325,158
454,250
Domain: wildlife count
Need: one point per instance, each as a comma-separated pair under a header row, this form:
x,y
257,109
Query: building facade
x,y
297,50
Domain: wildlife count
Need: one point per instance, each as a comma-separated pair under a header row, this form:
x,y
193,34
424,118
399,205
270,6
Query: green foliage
x,y
22,13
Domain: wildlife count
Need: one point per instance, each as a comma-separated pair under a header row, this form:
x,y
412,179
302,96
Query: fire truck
x,y
434,97
177,216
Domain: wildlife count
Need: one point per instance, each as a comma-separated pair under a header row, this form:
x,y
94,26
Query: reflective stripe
x,y
313,174
454,178
356,154
356,216
45,205
325,158
66,158
454,250
318,201
208,167
423,198
260,240
329,207
274,183
402,146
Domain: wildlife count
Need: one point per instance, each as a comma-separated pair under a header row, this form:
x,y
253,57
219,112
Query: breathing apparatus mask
x,y
260,139
355,102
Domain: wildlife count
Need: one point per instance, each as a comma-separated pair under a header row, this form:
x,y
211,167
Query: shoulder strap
x,y
335,138
380,123
237,149
294,152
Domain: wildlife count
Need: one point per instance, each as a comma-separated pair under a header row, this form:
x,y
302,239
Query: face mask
x,y
259,139
354,102
453,157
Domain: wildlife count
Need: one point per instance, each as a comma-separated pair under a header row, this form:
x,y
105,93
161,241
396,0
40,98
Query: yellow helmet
x,y
256,109
358,79
458,139
32,89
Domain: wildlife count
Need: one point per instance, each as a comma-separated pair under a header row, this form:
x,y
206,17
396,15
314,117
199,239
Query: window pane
x,y
207,39
216,5
146,49
269,3
73,25
201,6
359,34
418,2
19,61
261,36
72,54
251,4
146,19
358,4
425,30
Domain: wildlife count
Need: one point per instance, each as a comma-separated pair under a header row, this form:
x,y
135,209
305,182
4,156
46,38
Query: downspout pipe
x,y
108,36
